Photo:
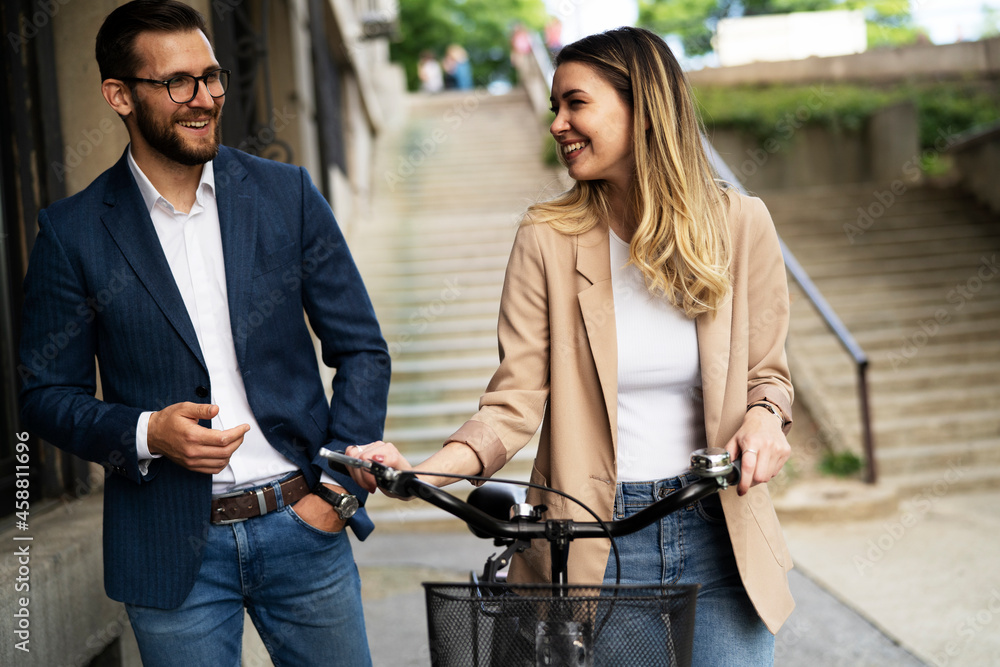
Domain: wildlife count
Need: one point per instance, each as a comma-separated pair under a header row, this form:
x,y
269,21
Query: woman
x,y
643,316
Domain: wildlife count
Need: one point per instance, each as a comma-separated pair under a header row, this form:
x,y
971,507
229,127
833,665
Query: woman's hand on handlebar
x,y
379,452
762,447
454,458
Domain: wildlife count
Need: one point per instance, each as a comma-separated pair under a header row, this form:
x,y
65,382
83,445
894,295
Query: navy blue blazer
x,y
98,285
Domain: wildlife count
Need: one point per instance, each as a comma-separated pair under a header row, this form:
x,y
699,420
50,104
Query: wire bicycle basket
x,y
524,625
493,624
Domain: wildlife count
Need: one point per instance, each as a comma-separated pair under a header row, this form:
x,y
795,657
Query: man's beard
x,y
166,139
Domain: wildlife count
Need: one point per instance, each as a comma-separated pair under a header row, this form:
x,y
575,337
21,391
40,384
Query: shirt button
x,y
201,390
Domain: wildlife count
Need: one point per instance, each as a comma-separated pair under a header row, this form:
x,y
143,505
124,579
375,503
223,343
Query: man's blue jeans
x,y
299,584
692,546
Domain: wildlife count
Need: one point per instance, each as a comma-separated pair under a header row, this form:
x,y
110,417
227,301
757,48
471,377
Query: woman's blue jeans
x,y
692,546
299,584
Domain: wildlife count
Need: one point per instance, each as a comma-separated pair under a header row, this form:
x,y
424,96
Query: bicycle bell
x,y
711,462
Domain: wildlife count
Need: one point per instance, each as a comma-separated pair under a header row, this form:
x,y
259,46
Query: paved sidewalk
x,y
926,573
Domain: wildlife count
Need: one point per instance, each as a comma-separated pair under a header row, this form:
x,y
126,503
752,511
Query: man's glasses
x,y
183,88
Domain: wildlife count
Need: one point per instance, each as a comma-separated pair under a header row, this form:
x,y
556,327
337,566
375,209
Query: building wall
x,y
962,60
793,36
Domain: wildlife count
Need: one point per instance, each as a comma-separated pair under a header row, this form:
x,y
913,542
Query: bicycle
x,y
494,623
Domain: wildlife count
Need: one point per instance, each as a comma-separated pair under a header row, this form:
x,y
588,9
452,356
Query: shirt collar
x,y
151,197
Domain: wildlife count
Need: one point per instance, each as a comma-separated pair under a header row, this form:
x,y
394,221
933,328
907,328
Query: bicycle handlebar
x,y
712,465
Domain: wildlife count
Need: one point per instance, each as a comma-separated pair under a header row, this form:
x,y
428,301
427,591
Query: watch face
x,y
346,506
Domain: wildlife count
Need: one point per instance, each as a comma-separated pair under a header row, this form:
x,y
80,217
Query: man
x,y
185,269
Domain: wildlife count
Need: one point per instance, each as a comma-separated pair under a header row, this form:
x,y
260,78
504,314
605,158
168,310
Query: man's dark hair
x,y
116,56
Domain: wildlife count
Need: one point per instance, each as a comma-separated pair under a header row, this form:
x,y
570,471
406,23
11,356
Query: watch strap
x,y
345,504
770,407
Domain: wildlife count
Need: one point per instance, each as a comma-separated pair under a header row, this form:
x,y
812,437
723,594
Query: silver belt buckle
x,y
261,503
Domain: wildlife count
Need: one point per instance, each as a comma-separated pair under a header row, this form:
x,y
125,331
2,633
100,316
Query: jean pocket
x,y
710,509
308,526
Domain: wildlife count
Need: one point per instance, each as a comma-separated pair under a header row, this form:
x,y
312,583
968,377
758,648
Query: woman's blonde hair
x,y
678,210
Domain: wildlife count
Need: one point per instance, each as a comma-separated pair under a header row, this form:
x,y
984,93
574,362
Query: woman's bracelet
x,y
769,407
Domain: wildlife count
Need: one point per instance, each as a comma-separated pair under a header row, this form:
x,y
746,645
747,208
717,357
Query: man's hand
x,y
318,513
174,432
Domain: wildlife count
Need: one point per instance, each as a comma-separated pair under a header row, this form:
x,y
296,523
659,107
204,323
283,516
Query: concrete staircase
x,y
912,273
451,184
914,276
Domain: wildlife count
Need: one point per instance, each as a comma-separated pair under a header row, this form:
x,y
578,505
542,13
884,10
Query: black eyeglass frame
x,y
197,80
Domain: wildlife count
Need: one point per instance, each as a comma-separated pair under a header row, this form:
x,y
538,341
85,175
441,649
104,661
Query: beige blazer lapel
x,y
597,305
714,342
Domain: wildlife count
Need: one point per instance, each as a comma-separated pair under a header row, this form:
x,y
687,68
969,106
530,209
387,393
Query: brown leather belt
x,y
243,505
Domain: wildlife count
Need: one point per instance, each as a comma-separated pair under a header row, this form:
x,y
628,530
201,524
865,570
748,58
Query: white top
x,y
192,243
660,412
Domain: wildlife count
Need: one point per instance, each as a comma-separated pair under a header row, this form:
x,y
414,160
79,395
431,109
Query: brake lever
x,y
388,479
344,459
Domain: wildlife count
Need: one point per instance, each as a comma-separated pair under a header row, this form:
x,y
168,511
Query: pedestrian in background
x,y
429,72
457,68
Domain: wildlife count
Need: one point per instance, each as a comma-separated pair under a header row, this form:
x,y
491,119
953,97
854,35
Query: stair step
x,y
443,389
960,455
894,280
435,253
926,485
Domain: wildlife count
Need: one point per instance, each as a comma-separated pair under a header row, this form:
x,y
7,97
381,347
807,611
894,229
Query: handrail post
x,y
871,472
825,312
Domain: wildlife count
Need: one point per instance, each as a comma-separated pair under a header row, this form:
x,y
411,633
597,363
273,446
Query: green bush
x,y
772,112
840,464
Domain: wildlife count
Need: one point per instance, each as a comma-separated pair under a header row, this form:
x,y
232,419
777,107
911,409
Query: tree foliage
x,y
482,27
694,21
991,22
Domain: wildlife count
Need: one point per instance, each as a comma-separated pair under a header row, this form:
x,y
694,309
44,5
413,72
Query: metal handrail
x,y
544,64
825,311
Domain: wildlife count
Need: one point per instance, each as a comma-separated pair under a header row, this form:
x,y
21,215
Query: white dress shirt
x,y
660,412
192,243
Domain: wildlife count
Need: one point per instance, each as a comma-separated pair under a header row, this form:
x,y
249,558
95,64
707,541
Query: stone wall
x,y
801,155
977,160
68,618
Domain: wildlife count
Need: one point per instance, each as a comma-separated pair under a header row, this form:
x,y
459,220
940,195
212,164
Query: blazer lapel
x,y
714,337
238,225
129,224
597,304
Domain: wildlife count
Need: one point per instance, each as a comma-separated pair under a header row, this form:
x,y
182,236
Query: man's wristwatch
x,y
344,503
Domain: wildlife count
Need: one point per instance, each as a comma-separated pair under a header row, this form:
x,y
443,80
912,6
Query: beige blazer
x,y
558,366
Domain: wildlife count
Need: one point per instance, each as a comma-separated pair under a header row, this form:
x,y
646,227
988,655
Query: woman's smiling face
x,y
593,126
